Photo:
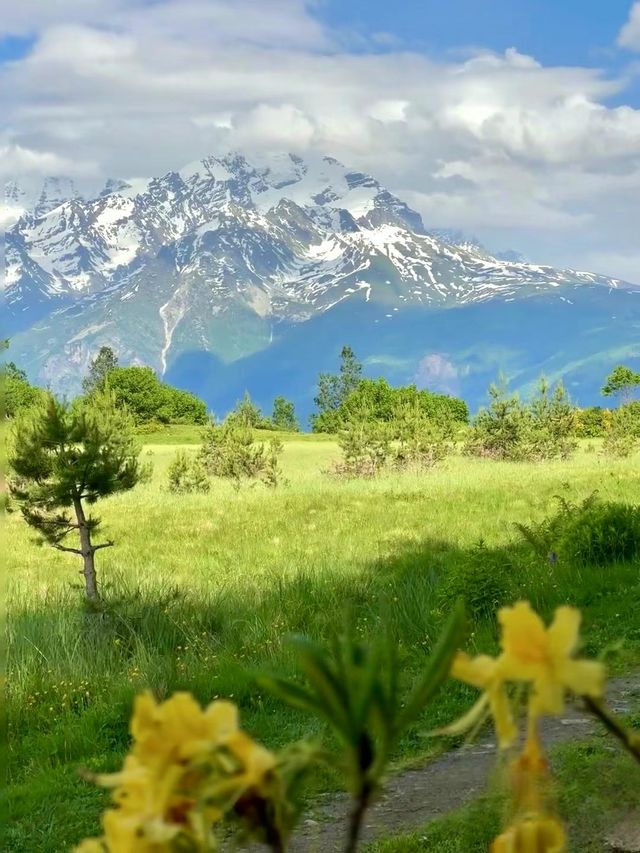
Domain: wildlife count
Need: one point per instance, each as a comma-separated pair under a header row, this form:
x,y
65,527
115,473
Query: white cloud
x,y
24,162
523,155
436,372
629,36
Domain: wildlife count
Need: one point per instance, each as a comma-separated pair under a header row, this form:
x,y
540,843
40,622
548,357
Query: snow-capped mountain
x,y
226,256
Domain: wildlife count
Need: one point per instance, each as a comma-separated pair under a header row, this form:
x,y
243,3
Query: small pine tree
x,y
187,474
99,369
554,424
500,431
284,415
272,473
66,457
422,442
622,433
366,447
247,414
333,391
230,451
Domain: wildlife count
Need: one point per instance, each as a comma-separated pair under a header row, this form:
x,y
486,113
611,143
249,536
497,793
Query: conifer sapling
x,y
65,458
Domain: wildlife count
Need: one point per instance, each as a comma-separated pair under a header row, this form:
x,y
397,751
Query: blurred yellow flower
x,y
484,672
187,766
544,656
530,653
532,834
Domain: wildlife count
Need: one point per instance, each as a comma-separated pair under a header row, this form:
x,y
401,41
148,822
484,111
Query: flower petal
x,y
547,697
468,720
564,631
524,635
478,671
222,716
585,677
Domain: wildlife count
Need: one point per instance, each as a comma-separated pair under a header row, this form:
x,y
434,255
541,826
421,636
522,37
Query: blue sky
x,y
15,47
559,32
517,121
555,32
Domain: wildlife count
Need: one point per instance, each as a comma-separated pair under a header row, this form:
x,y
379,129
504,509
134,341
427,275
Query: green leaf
x,y
330,692
291,694
437,670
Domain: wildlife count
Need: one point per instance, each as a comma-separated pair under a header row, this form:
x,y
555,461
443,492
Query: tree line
x,y
64,457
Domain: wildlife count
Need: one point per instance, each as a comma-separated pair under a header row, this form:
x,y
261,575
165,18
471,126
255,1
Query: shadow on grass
x,y
74,673
170,638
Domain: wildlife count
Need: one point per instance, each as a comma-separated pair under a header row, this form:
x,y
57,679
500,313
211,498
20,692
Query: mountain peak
x,y
231,250
55,191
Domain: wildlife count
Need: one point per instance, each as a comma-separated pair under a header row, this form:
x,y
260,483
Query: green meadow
x,y
202,590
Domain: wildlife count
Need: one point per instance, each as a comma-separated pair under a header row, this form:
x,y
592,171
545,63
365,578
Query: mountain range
x,y
230,275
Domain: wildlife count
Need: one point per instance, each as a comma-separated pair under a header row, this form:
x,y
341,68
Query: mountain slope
x,y
237,259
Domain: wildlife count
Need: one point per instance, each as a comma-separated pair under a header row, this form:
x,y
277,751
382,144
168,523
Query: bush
x,y
422,441
376,400
484,581
365,446
187,475
148,399
601,534
622,431
230,451
591,532
590,422
500,431
150,427
16,392
508,429
379,401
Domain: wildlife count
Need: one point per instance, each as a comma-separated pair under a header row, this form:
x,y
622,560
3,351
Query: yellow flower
x,y
532,834
544,657
531,653
90,845
484,672
187,766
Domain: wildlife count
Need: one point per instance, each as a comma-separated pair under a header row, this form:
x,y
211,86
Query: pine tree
x,y
350,373
246,413
333,390
65,457
100,367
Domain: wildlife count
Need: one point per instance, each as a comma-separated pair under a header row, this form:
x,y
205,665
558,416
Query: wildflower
x,y
484,672
543,656
534,654
532,834
533,828
186,768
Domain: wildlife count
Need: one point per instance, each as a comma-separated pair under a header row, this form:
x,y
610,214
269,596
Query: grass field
x,y
203,589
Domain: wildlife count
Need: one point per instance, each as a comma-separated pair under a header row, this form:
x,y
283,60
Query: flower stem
x,y
629,740
360,806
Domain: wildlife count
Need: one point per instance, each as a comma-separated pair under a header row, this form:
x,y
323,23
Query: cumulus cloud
x,y
630,34
437,373
24,162
523,155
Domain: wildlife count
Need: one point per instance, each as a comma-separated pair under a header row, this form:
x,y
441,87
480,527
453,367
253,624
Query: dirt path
x,y
415,797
